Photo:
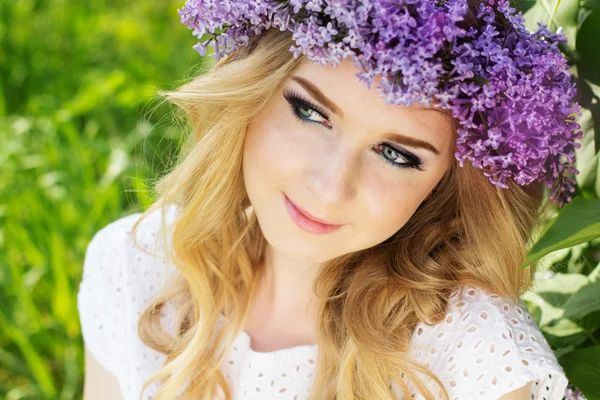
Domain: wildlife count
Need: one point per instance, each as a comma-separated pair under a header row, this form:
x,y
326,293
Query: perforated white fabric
x,y
484,348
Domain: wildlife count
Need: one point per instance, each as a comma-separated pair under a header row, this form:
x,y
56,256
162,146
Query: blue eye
x,y
391,153
303,110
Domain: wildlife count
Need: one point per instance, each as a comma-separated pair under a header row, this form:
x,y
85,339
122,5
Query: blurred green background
x,y
81,140
83,137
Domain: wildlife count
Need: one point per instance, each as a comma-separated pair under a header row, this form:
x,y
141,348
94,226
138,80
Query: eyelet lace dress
x,y
485,347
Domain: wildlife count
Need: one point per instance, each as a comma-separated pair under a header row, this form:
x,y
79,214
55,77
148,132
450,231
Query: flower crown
x,y
509,89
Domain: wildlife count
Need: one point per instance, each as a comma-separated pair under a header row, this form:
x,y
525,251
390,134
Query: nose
x,y
333,179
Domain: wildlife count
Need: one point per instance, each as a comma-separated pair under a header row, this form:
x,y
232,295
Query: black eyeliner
x,y
413,161
296,98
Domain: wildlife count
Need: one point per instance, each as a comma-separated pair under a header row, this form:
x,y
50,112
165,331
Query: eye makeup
x,y
412,161
298,102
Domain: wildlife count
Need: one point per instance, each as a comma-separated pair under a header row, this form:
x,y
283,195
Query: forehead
x,y
341,80
367,107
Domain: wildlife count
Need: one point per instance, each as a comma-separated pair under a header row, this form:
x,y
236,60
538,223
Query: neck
x,y
285,304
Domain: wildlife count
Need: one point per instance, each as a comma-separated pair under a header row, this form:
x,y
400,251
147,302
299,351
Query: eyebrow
x,y
402,139
318,95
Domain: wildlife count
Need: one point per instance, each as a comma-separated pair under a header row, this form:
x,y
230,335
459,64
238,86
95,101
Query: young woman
x,y
322,244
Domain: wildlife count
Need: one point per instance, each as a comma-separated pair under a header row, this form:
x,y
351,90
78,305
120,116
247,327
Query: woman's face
x,y
339,153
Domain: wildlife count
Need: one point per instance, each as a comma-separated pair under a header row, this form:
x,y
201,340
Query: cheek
x,y
267,157
388,205
277,148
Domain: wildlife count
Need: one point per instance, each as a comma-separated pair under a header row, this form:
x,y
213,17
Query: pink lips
x,y
305,221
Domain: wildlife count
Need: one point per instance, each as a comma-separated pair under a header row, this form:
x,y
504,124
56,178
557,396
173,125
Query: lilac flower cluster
x,y
508,88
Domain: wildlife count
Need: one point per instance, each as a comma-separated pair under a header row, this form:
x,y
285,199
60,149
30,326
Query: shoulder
x,y
488,346
120,278
113,259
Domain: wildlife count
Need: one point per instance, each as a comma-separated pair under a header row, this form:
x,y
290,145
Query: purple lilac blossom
x,y
508,88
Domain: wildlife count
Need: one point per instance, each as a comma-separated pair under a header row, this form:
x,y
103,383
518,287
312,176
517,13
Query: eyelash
x,y
297,101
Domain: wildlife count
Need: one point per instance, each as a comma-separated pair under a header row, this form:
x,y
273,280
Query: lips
x,y
310,216
306,221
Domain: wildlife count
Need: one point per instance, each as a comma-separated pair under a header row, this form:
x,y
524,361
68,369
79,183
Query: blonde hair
x,y
468,233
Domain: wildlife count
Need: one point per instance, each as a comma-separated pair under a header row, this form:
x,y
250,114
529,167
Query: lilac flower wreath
x,y
508,88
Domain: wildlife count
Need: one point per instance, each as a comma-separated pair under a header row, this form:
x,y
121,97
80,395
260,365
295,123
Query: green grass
x,y
80,148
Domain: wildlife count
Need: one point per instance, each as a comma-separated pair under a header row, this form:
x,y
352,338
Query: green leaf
x,y
522,5
563,328
563,350
586,158
551,295
584,302
565,16
549,261
595,110
595,274
597,188
591,322
557,342
591,4
578,222
587,47
588,96
534,310
582,367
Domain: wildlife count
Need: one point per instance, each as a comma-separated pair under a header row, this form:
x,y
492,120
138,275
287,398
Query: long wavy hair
x,y
468,233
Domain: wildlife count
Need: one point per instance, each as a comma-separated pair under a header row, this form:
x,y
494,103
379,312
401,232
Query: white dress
x,y
484,348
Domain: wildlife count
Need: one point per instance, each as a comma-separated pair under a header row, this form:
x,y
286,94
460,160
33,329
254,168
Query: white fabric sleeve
x,y
103,299
488,346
